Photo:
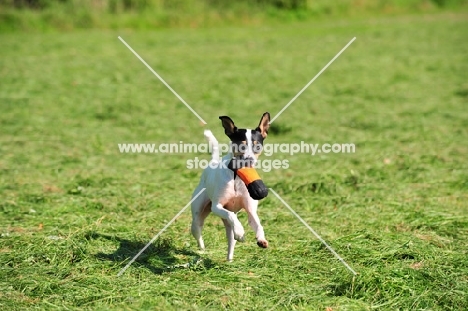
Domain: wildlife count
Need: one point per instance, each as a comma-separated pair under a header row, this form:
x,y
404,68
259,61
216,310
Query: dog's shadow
x,y
161,256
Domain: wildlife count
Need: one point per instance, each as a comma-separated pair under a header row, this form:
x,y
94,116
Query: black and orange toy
x,y
252,180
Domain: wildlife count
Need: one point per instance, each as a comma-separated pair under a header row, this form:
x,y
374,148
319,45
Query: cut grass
x,y
74,209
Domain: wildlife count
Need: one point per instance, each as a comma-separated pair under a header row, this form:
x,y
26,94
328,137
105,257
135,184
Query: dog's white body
x,y
225,196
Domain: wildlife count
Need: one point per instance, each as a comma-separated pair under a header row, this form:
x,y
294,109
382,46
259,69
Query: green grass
x,y
74,210
66,15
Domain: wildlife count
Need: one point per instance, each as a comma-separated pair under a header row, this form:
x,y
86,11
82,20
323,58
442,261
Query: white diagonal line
x,y
314,233
311,81
162,80
159,233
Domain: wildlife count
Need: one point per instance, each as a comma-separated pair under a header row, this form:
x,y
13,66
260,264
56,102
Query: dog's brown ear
x,y
264,124
228,124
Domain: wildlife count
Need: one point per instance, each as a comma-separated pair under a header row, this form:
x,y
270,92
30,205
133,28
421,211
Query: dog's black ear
x,y
228,124
264,124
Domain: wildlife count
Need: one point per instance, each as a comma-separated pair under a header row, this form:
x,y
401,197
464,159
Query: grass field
x,y
74,210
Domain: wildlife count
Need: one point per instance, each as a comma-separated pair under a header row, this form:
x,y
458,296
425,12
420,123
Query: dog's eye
x,y
257,148
243,147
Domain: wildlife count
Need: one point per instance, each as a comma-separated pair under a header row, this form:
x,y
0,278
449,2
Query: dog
x,y
226,194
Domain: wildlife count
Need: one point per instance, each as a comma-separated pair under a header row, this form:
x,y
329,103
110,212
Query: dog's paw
x,y
239,232
262,243
239,238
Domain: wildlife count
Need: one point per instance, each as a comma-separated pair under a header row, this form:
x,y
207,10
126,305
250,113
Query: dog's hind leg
x,y
230,239
200,210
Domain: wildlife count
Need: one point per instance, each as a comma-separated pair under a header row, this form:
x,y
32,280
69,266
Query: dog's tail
x,y
214,145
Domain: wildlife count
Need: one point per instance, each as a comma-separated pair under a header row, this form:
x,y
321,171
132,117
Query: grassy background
x,y
66,15
73,209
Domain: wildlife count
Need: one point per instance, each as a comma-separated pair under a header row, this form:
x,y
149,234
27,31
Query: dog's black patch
x,y
239,138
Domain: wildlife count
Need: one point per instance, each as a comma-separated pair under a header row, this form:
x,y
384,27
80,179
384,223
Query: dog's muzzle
x,y
241,162
248,174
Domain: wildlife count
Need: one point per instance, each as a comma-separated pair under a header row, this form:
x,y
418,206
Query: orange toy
x,y
254,183
248,175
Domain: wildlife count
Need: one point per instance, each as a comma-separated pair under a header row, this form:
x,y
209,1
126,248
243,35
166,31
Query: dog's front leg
x,y
254,222
231,217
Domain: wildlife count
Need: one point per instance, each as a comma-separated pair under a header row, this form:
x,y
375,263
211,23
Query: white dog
x,y
226,194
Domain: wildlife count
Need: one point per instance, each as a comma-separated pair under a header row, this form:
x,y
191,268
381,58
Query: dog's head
x,y
246,144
